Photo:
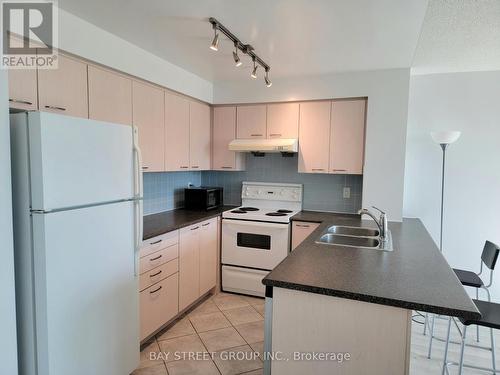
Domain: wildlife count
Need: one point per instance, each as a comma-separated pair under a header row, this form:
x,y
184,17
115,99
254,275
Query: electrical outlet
x,y
347,192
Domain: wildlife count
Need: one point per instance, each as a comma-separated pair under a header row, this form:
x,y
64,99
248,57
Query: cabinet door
x,y
22,89
64,90
251,121
176,132
199,136
189,265
149,117
158,304
208,255
224,131
283,120
314,136
300,231
110,96
347,137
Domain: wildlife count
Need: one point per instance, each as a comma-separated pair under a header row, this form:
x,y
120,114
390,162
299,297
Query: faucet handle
x,y
379,210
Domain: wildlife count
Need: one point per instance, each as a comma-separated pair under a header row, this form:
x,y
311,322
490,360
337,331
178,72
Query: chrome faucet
x,y
381,221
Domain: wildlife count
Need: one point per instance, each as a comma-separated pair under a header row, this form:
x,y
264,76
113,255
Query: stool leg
x,y
461,365
493,352
477,327
426,321
445,360
431,336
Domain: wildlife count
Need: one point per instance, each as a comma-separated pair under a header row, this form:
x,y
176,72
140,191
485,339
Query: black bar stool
x,y
490,318
489,258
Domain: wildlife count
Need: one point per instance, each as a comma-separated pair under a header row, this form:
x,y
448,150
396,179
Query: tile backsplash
x,y
322,192
165,191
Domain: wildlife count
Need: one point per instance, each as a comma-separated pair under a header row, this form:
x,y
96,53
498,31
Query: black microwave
x,y
203,198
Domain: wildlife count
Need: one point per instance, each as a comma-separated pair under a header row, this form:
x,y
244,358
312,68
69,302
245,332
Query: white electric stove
x,y
256,236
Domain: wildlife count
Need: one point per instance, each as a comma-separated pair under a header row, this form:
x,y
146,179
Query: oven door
x,y
254,244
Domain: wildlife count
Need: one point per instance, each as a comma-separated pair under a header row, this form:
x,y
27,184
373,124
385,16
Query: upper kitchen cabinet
x,y
149,117
23,89
199,136
176,132
283,120
64,90
314,136
251,121
224,131
347,136
110,96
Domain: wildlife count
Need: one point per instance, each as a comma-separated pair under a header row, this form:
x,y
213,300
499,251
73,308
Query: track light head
x,y
236,58
215,41
254,71
267,80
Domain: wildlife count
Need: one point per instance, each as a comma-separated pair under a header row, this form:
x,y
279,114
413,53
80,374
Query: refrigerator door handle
x,y
138,192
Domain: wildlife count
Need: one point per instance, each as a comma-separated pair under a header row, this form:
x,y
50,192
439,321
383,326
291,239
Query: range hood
x,y
284,145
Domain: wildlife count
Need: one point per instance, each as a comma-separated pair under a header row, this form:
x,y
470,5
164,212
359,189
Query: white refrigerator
x,y
77,199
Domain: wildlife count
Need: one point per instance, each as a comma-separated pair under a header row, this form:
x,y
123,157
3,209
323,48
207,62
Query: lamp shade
x,y
445,137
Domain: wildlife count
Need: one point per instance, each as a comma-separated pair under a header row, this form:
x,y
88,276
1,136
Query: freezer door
x,y
76,161
86,294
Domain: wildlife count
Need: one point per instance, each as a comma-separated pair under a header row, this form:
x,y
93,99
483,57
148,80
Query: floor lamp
x,y
444,138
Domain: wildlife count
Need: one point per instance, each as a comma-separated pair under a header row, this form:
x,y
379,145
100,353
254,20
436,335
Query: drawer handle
x,y
340,170
154,243
155,274
256,135
145,167
204,225
20,101
55,107
183,167
303,225
153,259
198,227
195,166
224,167
156,290
318,169
275,135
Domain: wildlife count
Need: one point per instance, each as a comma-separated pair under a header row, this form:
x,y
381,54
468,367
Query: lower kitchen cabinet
x,y
301,230
158,304
208,255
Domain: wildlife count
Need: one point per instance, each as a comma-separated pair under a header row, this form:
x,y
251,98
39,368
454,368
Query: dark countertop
x,y
414,276
167,221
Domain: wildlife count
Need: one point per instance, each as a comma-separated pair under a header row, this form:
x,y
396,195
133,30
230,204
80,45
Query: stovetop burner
x,y
238,212
284,211
249,209
276,214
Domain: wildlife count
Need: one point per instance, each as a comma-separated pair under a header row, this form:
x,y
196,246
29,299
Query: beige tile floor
x,y
228,323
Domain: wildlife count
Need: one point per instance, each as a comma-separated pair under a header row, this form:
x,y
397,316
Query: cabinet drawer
x,y
158,258
159,273
301,230
158,304
160,242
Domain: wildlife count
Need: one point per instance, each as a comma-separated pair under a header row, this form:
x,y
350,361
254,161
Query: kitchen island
x,y
356,303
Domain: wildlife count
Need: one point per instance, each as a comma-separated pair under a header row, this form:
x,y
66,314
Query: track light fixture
x,y
267,80
236,58
254,71
247,49
215,41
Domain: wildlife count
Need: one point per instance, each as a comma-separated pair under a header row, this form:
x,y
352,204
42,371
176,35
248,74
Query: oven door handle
x,y
260,224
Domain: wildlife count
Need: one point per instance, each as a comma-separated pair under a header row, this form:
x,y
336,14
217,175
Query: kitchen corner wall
x,y
321,191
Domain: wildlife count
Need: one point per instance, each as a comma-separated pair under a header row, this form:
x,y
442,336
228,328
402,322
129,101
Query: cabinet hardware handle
x,y
20,101
155,274
195,166
154,243
340,170
275,135
204,225
224,167
302,225
198,227
318,169
256,135
154,291
183,167
145,167
55,107
156,258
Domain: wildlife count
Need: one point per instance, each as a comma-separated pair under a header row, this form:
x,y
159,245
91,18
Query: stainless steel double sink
x,y
359,237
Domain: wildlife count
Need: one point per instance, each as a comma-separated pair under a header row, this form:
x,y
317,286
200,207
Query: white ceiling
x,y
459,36
295,37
